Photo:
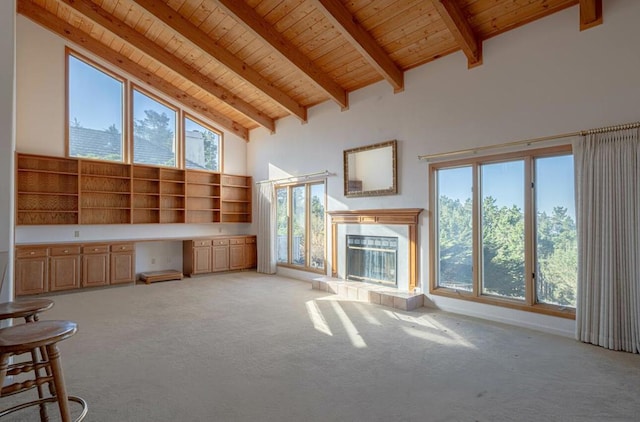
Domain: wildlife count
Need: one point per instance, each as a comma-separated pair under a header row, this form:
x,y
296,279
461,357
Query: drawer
x,y
95,249
220,242
200,243
64,250
31,252
236,241
251,239
122,247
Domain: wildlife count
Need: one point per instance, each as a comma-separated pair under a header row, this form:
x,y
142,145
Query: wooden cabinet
x,y
123,263
250,252
236,254
31,271
54,190
44,268
64,268
95,265
196,256
218,254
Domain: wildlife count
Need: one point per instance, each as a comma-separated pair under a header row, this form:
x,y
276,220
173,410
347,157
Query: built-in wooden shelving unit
x,y
203,196
236,199
46,190
145,199
53,190
105,192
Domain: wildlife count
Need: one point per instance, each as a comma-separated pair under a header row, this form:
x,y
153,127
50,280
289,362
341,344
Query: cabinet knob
x,y
32,253
66,251
122,248
95,249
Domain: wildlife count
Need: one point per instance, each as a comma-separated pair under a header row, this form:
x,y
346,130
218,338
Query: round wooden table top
x,y
36,334
24,308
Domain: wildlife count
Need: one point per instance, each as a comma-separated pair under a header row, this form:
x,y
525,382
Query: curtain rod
x,y
292,178
528,142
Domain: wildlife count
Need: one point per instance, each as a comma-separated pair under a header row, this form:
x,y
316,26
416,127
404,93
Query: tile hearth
x,y
372,293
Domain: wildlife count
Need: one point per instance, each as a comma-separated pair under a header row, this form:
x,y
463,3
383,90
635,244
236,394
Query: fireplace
x,y
372,259
398,227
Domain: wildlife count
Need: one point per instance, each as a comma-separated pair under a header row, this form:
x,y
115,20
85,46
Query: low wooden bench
x,y
162,275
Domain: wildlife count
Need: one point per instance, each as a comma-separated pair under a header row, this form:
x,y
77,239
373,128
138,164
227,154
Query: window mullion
x,y
476,230
289,224
529,238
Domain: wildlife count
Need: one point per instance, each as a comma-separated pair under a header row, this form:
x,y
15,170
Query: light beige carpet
x,y
249,347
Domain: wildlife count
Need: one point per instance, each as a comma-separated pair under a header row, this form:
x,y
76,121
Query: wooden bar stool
x,y
25,338
29,309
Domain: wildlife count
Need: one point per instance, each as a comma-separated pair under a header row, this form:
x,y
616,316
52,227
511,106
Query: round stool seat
x,y
24,308
36,334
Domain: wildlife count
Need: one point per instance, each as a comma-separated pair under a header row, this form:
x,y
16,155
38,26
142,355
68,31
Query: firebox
x,y
372,259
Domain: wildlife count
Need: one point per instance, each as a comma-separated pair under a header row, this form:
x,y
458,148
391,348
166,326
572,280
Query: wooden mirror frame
x,y
354,187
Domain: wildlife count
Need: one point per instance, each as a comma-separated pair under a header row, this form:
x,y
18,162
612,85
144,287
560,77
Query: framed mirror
x,y
371,170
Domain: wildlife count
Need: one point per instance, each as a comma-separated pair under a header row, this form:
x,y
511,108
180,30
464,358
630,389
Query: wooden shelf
x,y
235,204
54,190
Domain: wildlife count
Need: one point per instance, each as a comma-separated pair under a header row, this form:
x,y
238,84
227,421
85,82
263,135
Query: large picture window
x,y
95,116
108,118
301,236
154,131
504,230
201,146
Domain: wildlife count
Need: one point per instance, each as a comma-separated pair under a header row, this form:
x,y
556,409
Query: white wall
x,y
542,79
40,129
7,138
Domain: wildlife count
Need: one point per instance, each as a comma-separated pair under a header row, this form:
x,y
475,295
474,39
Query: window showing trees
x,y
201,146
94,111
147,133
504,230
300,226
154,131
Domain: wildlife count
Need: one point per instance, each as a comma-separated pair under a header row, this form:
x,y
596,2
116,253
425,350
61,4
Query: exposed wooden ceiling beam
x,y
53,23
456,22
590,13
255,24
192,33
123,31
362,41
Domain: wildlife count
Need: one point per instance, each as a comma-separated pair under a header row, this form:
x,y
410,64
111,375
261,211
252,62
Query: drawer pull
x,y
32,253
95,249
122,248
66,251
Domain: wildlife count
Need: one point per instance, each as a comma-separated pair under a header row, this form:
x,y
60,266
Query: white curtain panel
x,y
607,170
266,229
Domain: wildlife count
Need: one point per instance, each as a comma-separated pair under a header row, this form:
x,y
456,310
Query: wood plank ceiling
x,y
247,63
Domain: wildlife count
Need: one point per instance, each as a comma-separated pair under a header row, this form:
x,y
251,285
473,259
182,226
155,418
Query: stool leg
x,y
43,408
58,380
4,364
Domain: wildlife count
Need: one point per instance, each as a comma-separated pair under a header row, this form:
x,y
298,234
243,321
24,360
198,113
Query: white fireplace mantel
x,y
400,216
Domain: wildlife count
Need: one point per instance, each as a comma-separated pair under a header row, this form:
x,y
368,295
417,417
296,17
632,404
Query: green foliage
x,y
155,128
503,254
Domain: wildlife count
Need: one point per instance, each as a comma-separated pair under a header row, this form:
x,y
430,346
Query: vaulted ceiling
x,y
247,63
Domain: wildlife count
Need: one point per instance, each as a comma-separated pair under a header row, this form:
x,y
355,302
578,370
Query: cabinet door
x,y
250,255
65,272
201,260
236,257
220,258
31,275
123,267
95,270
